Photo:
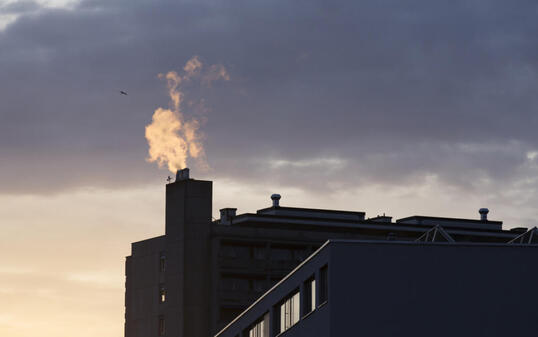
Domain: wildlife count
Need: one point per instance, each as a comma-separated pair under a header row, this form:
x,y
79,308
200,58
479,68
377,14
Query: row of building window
x,y
287,312
260,328
245,283
262,253
162,326
162,294
162,262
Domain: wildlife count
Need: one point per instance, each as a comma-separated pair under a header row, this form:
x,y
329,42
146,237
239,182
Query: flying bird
x,y
123,92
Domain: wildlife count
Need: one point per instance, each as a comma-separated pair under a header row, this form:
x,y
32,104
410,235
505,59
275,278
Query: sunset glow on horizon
x,y
424,108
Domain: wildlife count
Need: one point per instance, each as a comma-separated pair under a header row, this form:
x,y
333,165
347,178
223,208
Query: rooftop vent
x,y
226,215
276,200
182,174
483,214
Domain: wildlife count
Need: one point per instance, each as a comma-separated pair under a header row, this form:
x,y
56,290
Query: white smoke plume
x,y
172,137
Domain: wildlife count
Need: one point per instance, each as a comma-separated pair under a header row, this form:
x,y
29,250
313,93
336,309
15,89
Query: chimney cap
x,y
182,174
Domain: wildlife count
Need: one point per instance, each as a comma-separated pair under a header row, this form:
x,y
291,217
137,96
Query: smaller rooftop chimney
x,y
276,200
226,215
182,174
483,214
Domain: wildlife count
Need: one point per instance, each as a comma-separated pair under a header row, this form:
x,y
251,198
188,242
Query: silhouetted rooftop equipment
x,y
436,234
529,237
182,174
451,222
276,200
226,215
483,214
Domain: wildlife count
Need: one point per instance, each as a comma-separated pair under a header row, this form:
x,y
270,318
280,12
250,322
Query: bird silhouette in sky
x,y
123,92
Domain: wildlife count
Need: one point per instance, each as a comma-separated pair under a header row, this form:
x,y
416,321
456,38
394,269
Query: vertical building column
x,y
302,295
273,325
188,225
318,287
215,278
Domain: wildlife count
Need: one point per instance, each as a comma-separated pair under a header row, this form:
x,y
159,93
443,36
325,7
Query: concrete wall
x,y
188,219
142,307
381,289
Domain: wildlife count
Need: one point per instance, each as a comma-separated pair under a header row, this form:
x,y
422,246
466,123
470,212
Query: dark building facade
x,y
396,288
202,273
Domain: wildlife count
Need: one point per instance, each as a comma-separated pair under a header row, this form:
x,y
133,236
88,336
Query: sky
x,y
404,108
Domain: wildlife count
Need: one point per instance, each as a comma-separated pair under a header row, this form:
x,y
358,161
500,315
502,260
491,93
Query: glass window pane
x,y
288,313
283,317
295,309
265,330
313,295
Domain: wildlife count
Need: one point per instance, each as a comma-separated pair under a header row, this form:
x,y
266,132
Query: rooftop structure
x,y
202,273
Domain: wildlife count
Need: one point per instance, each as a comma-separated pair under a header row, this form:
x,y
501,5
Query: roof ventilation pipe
x,y
483,214
276,200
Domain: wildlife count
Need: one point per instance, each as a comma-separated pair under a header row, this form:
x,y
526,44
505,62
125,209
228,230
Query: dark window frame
x,y
309,302
323,285
162,326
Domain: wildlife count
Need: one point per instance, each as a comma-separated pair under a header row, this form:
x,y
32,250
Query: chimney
x,y
483,214
188,238
182,174
226,215
276,200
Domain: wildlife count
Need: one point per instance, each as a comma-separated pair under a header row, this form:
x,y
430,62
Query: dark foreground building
x,y
201,274
390,288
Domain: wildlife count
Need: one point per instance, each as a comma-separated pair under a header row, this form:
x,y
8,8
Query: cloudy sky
x,y
403,107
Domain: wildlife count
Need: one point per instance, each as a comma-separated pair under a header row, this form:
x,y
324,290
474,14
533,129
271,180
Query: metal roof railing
x,y
435,234
529,237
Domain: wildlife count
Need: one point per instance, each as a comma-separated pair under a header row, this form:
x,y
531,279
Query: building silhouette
x,y
395,288
202,273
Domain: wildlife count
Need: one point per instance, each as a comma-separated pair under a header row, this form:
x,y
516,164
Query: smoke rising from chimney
x,y
172,137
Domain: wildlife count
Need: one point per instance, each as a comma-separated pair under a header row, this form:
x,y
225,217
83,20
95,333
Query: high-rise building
x,y
202,273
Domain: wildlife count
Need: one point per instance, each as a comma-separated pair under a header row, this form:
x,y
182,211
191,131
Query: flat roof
x,y
314,210
421,217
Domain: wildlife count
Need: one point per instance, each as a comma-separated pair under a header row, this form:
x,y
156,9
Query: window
x,y
259,285
281,254
323,284
227,314
259,253
162,329
162,262
300,254
260,328
234,251
309,298
235,283
162,294
289,312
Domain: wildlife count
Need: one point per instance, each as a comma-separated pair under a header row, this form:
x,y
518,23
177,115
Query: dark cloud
x,y
337,93
19,7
